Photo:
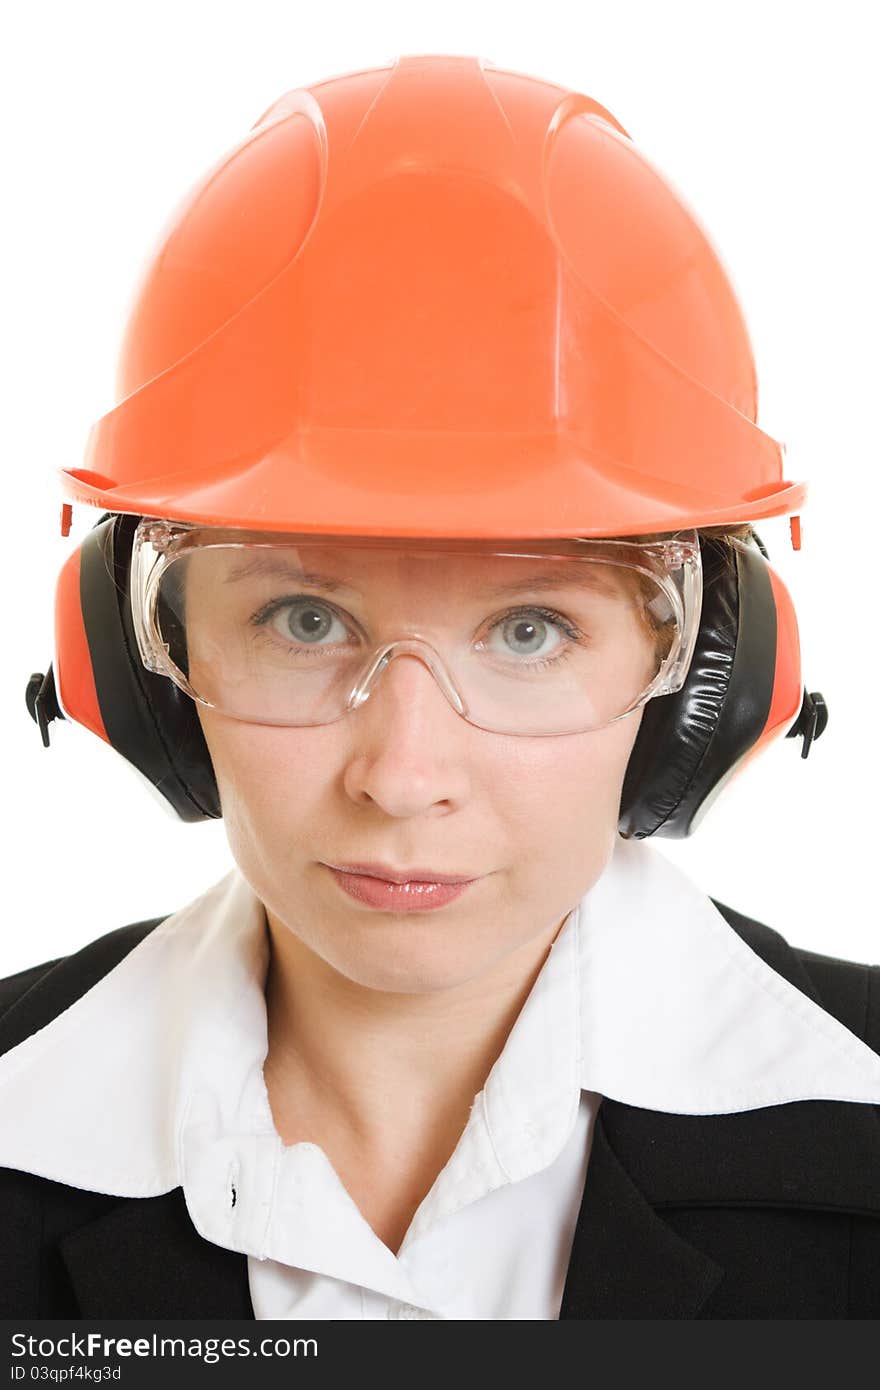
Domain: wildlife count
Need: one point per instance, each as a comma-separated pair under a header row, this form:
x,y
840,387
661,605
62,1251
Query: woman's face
x,y
405,781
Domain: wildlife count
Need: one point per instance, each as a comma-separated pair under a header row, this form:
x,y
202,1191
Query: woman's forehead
x,y
357,569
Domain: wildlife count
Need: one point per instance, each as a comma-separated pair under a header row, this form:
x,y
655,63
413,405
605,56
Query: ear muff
x,y
101,682
743,687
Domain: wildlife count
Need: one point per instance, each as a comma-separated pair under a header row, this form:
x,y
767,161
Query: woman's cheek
x,y
265,767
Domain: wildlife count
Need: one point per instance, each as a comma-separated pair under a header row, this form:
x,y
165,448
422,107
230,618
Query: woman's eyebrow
x,y
580,575
268,564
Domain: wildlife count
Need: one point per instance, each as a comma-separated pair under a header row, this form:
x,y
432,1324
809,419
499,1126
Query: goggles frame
x,y
674,563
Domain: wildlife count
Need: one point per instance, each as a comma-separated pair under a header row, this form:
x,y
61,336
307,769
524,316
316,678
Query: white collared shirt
x,y
647,996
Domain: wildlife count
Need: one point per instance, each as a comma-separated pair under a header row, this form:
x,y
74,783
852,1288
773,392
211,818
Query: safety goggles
x,y
525,638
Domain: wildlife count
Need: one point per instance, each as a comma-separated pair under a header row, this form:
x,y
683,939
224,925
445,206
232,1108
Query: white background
x,y
763,116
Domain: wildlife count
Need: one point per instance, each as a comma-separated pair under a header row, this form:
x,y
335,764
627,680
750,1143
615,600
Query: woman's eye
x,y
526,633
306,620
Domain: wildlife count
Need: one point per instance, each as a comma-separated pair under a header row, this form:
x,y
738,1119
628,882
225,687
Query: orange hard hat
x,y
436,299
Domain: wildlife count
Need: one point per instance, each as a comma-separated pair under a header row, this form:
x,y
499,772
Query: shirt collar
x,y
647,996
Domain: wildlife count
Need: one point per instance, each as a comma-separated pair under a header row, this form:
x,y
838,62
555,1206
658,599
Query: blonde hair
x,y
740,531
662,633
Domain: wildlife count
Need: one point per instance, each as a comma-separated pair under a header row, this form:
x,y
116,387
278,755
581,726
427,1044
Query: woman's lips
x,y
413,896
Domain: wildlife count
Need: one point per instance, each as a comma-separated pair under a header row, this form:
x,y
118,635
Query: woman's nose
x,y
409,746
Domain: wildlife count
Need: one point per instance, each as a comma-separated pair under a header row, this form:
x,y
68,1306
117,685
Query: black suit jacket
x,y
769,1213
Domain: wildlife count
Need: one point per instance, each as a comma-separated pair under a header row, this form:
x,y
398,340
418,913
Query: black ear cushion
x,y
689,743
152,723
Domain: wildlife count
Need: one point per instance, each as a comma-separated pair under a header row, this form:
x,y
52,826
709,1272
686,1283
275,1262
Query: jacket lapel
x,y
628,1261
145,1254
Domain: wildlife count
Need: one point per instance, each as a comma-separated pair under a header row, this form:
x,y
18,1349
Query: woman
x,y
429,564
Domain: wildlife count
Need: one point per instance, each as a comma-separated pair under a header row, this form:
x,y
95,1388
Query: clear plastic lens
x,y
553,640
